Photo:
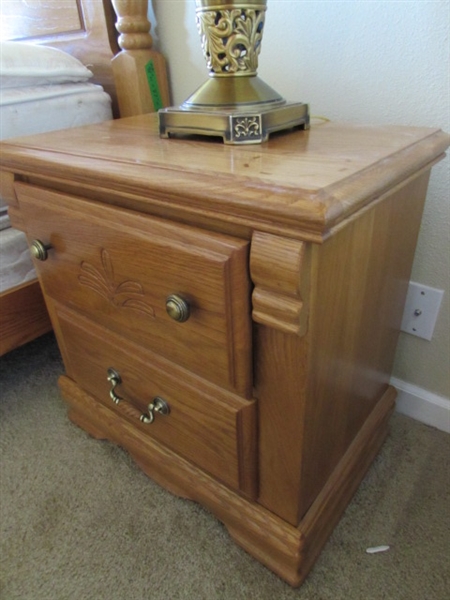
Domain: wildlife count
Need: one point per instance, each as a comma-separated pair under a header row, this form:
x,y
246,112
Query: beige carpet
x,y
79,521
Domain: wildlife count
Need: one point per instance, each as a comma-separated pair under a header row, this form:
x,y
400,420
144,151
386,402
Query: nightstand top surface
x,y
310,180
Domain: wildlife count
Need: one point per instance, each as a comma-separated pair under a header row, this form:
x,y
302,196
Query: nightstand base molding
x,y
288,551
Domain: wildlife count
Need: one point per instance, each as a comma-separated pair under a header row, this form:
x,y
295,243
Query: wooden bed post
x,y
139,72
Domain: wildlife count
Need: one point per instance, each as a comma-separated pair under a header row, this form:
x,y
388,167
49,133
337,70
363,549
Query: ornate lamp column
x,y
234,103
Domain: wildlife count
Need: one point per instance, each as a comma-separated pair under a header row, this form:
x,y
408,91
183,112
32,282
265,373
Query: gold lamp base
x,y
239,92
233,125
234,103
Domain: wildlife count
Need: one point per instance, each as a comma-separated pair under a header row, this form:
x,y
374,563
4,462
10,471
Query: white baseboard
x,y
422,405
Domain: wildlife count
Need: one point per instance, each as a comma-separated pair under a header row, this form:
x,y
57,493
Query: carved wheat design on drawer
x,y
126,294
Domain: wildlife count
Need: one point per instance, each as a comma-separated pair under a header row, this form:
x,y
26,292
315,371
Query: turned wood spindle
x,y
133,24
139,71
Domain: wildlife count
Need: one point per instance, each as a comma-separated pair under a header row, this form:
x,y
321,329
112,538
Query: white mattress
x,y
16,265
26,111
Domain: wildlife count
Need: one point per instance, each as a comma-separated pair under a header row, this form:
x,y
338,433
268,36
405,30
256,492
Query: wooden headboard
x,y
86,29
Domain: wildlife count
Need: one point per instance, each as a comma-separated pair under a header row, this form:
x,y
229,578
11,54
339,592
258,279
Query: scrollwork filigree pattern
x,y
231,40
247,127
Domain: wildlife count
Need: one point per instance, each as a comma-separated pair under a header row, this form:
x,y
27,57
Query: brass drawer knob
x,y
39,250
177,308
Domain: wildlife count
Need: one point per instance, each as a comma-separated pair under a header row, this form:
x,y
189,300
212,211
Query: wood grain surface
x,y
301,184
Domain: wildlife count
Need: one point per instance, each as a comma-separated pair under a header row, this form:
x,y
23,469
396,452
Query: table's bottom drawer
x,y
209,426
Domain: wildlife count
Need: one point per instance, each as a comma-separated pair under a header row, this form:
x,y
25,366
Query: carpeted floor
x,y
79,521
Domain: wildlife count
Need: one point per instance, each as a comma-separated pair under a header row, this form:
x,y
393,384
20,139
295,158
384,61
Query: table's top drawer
x,y
213,428
125,270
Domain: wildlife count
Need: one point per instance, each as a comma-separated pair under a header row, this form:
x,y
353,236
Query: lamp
x,y
234,103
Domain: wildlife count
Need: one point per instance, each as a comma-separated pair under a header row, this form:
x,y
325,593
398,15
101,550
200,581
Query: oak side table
x,y
229,315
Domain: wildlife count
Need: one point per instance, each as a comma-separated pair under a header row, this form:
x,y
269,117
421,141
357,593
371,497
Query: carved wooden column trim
x,y
279,268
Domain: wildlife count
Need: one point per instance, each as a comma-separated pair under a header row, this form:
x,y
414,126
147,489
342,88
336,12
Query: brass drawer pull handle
x,y
39,250
158,404
177,308
114,379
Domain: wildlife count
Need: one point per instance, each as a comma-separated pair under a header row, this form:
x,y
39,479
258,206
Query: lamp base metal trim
x,y
235,126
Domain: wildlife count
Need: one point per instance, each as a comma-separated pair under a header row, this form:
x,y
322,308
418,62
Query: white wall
x,y
362,61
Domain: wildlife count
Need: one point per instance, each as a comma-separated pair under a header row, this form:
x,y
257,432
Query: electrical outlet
x,y
421,310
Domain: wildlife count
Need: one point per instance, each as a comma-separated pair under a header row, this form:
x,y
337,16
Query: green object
x,y
152,81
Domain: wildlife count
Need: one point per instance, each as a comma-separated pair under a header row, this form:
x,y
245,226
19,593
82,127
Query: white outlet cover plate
x,y
421,310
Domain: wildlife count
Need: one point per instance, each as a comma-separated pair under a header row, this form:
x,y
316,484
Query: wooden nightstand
x,y
229,315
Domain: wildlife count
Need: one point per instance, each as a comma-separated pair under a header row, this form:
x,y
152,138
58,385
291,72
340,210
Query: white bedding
x,y
25,111
16,266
